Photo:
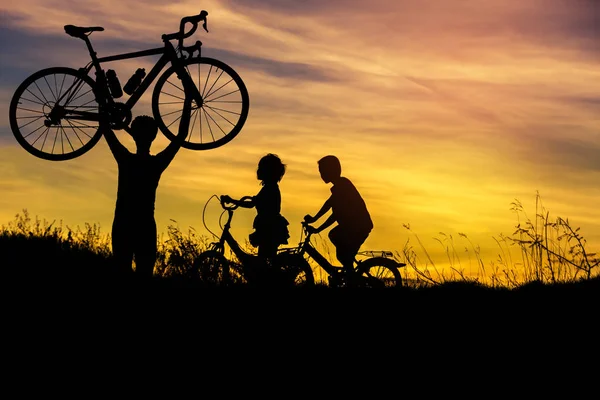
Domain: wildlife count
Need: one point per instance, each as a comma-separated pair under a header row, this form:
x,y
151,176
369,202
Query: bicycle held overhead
x,y
54,113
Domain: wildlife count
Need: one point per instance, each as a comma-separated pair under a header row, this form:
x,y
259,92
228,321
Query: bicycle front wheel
x,y
295,266
211,268
220,116
45,114
380,272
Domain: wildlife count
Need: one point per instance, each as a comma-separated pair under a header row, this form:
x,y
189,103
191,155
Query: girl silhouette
x,y
270,227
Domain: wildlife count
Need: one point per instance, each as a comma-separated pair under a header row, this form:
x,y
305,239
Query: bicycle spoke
x,y
41,134
175,86
172,112
220,109
216,123
208,123
42,93
28,117
62,83
62,144
210,92
190,134
199,80
54,145
34,95
84,105
32,132
177,97
206,82
72,93
32,101
89,126
47,84
27,109
216,112
80,96
178,118
30,122
226,94
68,140
75,132
56,85
213,85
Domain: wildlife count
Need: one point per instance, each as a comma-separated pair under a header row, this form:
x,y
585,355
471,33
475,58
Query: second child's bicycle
x,y
54,114
212,267
375,270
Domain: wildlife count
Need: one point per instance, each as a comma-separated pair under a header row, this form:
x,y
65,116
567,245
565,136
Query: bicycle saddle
x,y
79,32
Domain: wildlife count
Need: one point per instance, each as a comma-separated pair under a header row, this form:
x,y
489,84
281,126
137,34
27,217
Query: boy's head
x,y
330,168
270,169
144,130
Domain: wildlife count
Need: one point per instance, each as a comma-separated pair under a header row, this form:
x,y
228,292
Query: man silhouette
x,y
348,209
134,235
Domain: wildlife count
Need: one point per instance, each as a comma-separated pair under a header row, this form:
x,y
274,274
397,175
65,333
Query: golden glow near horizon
x,y
442,113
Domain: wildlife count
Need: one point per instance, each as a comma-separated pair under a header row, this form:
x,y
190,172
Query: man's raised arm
x,y
115,146
169,152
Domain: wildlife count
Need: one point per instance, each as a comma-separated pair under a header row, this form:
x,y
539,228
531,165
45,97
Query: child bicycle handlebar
x,y
223,200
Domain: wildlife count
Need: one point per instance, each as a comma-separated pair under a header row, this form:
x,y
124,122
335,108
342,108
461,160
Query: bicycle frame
x,y
227,238
306,247
168,55
309,249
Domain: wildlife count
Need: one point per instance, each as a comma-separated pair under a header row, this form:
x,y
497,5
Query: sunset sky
x,y
441,112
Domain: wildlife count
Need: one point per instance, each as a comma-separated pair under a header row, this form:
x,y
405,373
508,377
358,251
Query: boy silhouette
x,y
348,209
134,235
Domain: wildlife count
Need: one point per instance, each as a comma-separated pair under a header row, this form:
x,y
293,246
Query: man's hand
x,y
103,120
311,229
309,219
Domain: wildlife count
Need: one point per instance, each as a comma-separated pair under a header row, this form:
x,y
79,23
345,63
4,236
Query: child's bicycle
x,y
54,114
212,267
378,270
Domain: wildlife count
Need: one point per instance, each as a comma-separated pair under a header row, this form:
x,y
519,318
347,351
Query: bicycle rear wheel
x,y
41,109
380,272
211,268
221,115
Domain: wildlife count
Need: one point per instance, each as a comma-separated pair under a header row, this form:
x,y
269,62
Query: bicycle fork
x,y
187,81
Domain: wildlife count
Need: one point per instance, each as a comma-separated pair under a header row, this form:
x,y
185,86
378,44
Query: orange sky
x,y
441,112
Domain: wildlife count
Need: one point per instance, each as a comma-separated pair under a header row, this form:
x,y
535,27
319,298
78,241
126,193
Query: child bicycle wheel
x,y
380,272
40,114
221,114
212,268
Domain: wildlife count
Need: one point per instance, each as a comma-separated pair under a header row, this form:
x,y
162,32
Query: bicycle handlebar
x,y
232,206
194,20
223,202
